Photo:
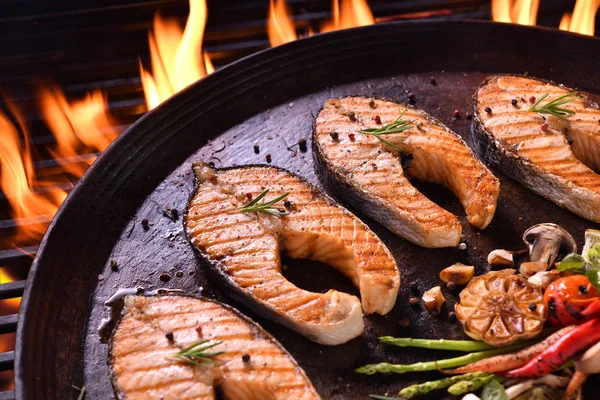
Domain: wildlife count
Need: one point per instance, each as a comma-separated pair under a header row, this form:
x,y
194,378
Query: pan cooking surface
x,y
120,213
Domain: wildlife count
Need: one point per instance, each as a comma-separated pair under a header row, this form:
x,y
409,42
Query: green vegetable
x,y
594,277
441,344
571,262
494,391
554,106
468,386
81,391
197,354
371,369
398,126
424,388
265,207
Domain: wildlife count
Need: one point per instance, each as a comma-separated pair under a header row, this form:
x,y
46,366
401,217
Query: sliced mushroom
x,y
547,241
501,258
531,268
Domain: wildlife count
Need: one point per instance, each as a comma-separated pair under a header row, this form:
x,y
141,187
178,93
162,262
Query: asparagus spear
x,y
441,344
424,388
464,387
371,369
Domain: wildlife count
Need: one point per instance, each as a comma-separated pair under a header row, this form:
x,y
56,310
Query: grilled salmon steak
x,y
243,248
359,146
247,363
551,151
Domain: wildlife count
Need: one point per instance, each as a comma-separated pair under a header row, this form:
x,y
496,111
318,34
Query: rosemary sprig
x,y
398,126
197,354
554,106
81,391
265,207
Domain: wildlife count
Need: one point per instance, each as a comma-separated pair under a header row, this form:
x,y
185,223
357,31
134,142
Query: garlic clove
x,y
501,258
458,273
434,300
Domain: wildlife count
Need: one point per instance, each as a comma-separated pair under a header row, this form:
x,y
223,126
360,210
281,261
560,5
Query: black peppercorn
x,y
583,289
451,286
451,316
165,277
287,204
256,149
372,104
334,135
488,110
169,336
302,145
145,224
246,358
414,287
268,157
352,116
514,102
175,213
179,274
532,306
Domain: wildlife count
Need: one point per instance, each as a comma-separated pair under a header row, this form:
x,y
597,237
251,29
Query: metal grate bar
x,y
8,323
7,395
16,253
11,290
7,360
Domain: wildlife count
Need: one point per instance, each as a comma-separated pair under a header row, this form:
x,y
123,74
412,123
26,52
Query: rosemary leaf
x,y
398,126
267,207
197,354
553,107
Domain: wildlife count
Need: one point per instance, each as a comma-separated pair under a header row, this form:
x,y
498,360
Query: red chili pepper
x,y
560,352
592,311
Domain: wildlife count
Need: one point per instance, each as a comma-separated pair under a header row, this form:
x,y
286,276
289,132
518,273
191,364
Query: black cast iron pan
x,y
269,99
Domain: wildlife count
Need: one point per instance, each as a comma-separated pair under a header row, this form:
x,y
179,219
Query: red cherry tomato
x,y
567,297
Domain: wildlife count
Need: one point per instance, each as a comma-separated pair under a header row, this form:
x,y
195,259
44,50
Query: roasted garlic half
x,y
500,307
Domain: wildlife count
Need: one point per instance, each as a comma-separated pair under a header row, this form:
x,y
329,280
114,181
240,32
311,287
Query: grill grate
x,y
84,47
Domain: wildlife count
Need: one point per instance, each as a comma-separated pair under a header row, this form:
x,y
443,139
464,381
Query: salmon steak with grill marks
x,y
359,144
247,363
243,250
556,154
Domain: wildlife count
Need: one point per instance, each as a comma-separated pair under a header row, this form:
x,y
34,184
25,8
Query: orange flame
x,y
17,179
523,12
7,341
80,127
583,18
175,55
348,14
280,25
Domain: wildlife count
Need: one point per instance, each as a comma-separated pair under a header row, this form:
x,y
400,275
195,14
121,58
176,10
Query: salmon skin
x,y
243,250
554,157
369,174
253,365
